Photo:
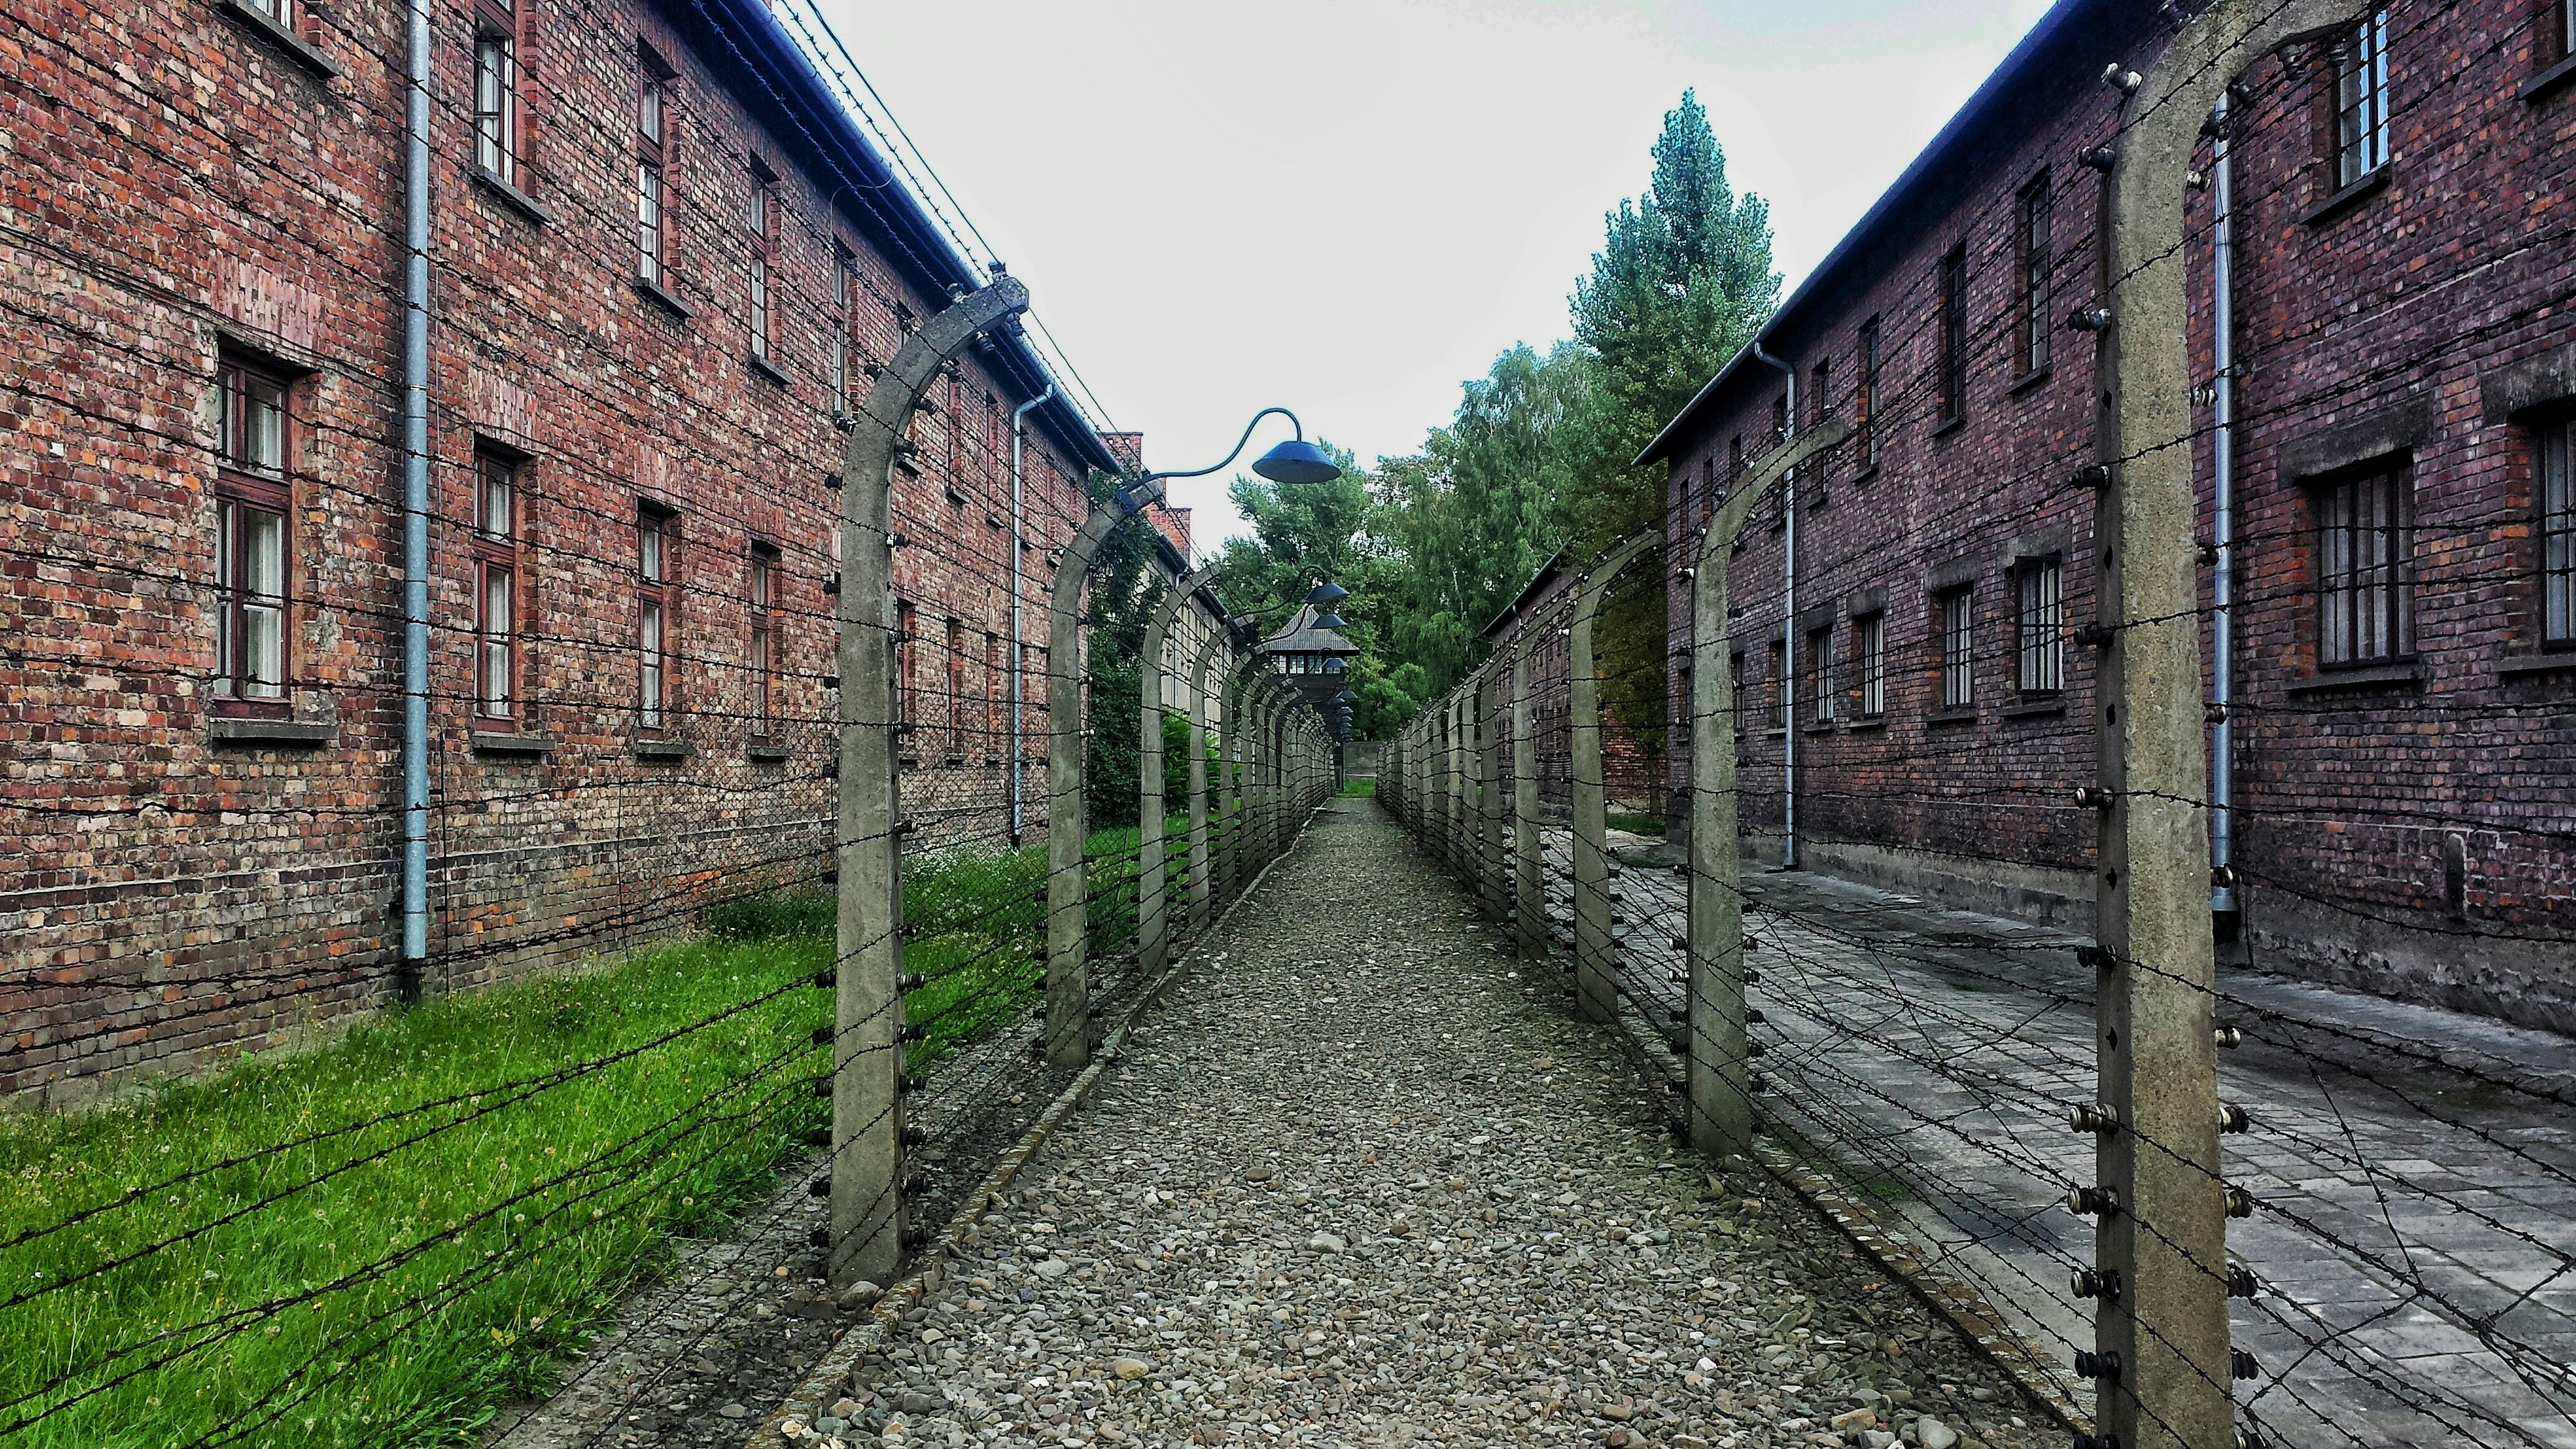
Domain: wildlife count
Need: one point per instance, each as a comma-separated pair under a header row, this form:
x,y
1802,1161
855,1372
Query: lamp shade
x,y
1331,621
1297,461
1334,665
1327,592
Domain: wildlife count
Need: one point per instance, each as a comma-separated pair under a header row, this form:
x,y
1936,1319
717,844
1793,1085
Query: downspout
x,y
1019,542
1788,622
415,408
2222,755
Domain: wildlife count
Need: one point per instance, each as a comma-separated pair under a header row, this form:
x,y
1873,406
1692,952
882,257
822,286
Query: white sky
x,y
1347,207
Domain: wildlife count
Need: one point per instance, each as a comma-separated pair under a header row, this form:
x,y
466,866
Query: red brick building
x,y
661,258
2404,610
1629,778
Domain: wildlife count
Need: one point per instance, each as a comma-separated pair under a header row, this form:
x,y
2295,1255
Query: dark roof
x,y
1302,637
1538,583
761,64
2067,47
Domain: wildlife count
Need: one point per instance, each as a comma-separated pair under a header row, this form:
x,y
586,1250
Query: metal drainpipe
x,y
415,764
2222,758
1788,623
1019,542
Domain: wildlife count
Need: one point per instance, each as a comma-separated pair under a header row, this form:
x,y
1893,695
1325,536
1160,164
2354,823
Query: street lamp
x,y
1292,461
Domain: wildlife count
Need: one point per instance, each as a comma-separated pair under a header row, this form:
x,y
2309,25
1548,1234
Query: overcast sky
x,y
1347,207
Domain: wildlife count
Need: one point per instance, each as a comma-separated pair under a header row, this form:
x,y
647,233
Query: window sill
x,y
1867,722
765,752
662,294
517,200
2344,200
665,751
2034,709
1950,425
2549,82
493,742
2380,676
1866,475
297,48
1825,728
1952,717
2562,663
1774,733
952,762
267,731
770,370
2029,380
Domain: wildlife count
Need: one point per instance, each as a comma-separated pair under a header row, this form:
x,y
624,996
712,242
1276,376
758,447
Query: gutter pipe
x,y
2222,757
415,543
1019,659
1788,622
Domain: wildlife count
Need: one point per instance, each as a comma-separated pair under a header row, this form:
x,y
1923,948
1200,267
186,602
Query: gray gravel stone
x,y
1364,1181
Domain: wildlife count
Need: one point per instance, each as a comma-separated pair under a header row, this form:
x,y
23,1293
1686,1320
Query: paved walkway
x,y
2414,1170
1358,1182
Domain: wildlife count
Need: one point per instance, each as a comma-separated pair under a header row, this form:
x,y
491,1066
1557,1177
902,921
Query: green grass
x,y
1636,824
379,1241
1362,788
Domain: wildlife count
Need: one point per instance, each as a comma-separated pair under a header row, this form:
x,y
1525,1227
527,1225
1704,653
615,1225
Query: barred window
x,y
1780,701
1742,703
2557,450
252,539
2361,101
1869,652
1821,694
2365,569
2042,643
497,626
1958,613
1953,322
842,322
2030,269
763,219
1865,391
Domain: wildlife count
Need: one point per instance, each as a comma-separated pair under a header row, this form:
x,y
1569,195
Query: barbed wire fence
x,y
785,938
2316,1220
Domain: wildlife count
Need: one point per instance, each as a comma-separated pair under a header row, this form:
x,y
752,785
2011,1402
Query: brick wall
x,y
183,187
2409,325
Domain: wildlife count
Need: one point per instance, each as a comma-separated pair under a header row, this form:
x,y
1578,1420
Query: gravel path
x,y
1361,1181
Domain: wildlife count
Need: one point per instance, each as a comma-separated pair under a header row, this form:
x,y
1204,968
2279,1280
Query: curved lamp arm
x,y
1239,445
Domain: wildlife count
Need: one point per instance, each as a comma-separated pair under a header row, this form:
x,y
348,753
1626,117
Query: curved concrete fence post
x,y
1153,923
1596,950
867,1210
1720,1106
1197,870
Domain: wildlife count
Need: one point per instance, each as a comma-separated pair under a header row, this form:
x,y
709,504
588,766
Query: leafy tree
x,y
1118,598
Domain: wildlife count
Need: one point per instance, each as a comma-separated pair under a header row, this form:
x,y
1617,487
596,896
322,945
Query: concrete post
x,y
1493,727
1720,1100
1529,897
867,1210
1596,958
1153,916
1238,713
1453,783
2162,1230
1199,887
1068,987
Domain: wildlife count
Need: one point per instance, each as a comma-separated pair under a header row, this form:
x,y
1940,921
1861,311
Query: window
x,y
652,170
1869,650
764,637
656,613
1820,675
281,11
906,708
2566,27
251,502
1742,704
496,89
1865,393
1779,686
2361,101
1780,416
1958,610
2365,569
764,241
992,693
2041,583
496,597
956,689
841,309
2557,470
1709,493
1953,306
1734,461
956,434
2030,276
1819,386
